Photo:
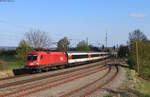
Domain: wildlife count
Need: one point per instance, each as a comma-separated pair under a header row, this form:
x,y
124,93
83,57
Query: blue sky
x,y
76,19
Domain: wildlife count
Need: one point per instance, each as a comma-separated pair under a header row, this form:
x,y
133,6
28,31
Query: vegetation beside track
x,y
143,87
138,53
9,63
144,58
138,86
107,96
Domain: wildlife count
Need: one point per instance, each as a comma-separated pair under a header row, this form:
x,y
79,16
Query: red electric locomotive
x,y
40,60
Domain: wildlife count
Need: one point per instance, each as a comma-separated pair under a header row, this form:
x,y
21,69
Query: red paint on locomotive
x,y
41,58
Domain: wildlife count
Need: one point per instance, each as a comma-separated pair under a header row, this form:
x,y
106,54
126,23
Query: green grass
x,y
9,63
107,96
129,77
143,86
14,66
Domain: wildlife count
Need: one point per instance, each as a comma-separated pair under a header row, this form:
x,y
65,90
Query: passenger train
x,y
42,60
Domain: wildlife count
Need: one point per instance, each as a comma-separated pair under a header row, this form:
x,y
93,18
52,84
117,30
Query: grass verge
x,y
141,86
9,63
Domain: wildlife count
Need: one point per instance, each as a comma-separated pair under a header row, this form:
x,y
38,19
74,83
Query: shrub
x,y
107,96
22,52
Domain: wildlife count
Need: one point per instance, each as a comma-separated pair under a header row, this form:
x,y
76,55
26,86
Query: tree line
x,y
40,40
137,51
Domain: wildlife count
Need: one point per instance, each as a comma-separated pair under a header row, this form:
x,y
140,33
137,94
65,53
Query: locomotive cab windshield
x,y
32,57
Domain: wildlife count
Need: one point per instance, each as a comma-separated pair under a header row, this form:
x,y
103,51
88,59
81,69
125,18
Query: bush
x,y
7,52
22,52
108,96
131,62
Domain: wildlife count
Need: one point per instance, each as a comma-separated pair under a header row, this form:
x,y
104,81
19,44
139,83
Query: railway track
x,y
90,88
33,77
64,78
101,85
39,84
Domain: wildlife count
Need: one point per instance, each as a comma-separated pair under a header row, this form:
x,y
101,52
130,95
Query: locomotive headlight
x,y
37,63
31,64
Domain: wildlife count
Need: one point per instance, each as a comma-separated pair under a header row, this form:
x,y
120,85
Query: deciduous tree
x,y
38,39
123,51
82,46
63,44
22,52
137,35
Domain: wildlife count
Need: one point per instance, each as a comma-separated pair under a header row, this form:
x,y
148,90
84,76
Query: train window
x,y
95,55
29,57
32,57
41,56
79,56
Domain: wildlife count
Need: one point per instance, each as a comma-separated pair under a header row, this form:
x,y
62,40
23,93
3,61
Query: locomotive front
x,y
32,59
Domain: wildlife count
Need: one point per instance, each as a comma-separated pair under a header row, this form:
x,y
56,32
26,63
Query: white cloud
x,y
137,15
